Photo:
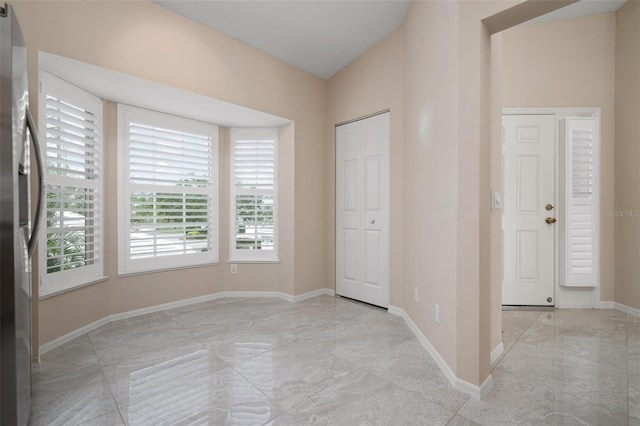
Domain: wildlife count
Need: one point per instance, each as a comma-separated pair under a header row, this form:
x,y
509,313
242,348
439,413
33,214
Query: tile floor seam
x,y
260,391
367,367
456,415
104,376
328,386
427,356
519,338
121,416
195,338
459,409
306,399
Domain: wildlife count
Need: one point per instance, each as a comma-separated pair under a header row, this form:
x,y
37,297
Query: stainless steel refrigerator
x,y
17,231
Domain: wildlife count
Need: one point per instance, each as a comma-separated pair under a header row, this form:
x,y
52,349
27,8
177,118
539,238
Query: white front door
x,y
362,210
529,199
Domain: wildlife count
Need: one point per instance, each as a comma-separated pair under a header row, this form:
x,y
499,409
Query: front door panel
x,y
529,185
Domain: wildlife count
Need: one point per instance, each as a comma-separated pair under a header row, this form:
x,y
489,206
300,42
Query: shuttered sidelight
x,y
71,126
578,233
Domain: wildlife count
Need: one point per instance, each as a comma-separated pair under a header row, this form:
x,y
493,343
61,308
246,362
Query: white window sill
x,y
253,261
57,291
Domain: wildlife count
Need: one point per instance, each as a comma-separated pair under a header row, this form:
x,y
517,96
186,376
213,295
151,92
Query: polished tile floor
x,y
330,361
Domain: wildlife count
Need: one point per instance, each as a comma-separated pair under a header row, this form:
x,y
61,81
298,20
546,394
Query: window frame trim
x,y
64,281
161,263
253,256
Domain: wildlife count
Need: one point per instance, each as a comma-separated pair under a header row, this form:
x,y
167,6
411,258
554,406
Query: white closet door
x,y
579,195
362,210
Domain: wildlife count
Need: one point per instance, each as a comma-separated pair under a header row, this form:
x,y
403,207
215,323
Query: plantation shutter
x,y
579,191
71,124
169,190
254,186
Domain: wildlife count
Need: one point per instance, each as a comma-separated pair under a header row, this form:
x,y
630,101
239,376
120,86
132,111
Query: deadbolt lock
x,y
550,220
548,207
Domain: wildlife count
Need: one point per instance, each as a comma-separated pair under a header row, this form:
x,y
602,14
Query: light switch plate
x,y
496,200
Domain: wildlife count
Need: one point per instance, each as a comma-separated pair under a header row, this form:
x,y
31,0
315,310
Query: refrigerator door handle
x,y
38,215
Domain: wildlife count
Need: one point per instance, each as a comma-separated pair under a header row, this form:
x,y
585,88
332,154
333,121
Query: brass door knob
x,y
550,220
548,207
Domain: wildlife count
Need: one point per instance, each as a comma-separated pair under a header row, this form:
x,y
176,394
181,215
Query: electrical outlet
x,y
234,268
416,294
437,314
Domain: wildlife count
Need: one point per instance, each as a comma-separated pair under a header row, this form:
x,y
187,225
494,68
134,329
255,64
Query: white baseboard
x,y
164,306
496,352
46,347
476,392
394,310
619,307
627,309
233,294
486,386
312,294
177,304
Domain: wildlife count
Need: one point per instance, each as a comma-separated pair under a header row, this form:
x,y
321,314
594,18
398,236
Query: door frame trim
x,y
559,113
364,117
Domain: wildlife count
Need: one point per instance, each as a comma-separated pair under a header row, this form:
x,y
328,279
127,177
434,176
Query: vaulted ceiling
x,y
322,36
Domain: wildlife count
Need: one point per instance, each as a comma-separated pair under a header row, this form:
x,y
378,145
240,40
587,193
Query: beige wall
x,y
627,155
147,41
371,83
430,171
569,63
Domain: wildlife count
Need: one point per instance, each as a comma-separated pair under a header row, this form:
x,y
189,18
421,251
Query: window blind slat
x,y
148,155
73,142
61,121
178,148
69,108
170,139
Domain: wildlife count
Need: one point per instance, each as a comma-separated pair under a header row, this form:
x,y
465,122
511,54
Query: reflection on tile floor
x,y
331,361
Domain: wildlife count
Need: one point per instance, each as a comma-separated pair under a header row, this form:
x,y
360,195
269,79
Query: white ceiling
x,y
581,8
323,36
319,36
